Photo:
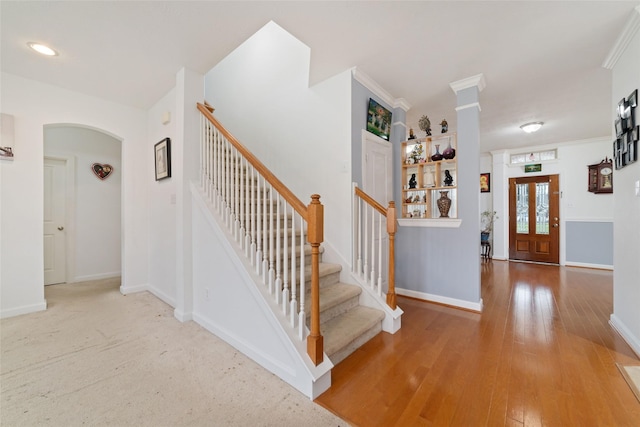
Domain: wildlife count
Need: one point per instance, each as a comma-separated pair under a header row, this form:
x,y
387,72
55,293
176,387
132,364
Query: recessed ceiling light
x,y
42,49
531,127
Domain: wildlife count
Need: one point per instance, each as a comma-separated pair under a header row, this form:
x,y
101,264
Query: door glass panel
x,y
542,208
522,208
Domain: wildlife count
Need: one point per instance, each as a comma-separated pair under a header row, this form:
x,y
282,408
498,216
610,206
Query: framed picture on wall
x,y
485,182
378,120
163,159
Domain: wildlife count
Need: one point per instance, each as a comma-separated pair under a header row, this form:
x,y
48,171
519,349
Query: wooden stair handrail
x,y
312,214
392,226
288,195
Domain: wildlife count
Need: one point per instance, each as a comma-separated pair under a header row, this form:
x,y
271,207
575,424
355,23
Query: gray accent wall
x,y
359,106
445,261
589,242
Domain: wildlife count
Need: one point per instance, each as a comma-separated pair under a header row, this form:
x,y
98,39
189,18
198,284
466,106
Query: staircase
x,y
276,295
344,323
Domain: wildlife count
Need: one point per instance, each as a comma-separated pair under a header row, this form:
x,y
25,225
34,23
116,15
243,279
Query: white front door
x,y
54,221
377,177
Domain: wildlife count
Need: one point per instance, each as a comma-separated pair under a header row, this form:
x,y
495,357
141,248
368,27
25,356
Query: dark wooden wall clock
x,y
601,177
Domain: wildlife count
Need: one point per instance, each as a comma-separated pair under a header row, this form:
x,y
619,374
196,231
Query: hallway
x,y
541,353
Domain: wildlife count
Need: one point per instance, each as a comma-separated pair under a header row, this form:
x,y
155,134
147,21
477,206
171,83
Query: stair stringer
x,y
392,321
231,302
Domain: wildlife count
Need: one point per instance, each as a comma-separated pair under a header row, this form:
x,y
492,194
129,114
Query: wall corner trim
x,y
378,90
477,80
628,32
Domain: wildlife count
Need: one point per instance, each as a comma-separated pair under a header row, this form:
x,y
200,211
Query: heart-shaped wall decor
x,y
102,171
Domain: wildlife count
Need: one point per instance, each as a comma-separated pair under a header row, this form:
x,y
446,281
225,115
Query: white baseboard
x,y
182,316
100,276
25,309
587,265
124,290
625,333
163,296
467,305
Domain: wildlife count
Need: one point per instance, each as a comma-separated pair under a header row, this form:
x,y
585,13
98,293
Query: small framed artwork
x,y
632,100
163,159
620,127
6,153
378,120
485,182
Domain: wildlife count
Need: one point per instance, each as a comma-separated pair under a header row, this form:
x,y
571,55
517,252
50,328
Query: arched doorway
x,y
82,204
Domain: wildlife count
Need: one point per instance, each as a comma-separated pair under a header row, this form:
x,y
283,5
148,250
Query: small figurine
x,y
408,200
411,134
425,124
445,126
416,199
448,179
412,181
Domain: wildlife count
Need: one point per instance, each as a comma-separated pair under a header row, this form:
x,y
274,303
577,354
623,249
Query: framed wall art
x,y
378,120
163,159
625,147
485,182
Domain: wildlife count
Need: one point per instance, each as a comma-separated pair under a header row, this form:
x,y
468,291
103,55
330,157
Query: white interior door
x,y
54,221
377,177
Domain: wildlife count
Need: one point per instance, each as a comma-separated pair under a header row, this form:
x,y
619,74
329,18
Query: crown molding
x,y
378,90
402,103
477,80
473,104
628,32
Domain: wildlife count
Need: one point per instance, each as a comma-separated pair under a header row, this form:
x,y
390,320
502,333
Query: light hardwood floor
x,y
541,353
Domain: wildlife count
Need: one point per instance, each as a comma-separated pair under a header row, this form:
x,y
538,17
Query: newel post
x,y
315,235
391,230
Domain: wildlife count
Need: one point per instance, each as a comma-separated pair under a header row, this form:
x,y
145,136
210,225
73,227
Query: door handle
x,y
555,225
60,228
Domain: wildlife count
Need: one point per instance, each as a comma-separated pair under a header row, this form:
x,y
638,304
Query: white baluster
x,y
272,237
266,237
294,296
373,248
253,215
365,270
243,215
259,228
359,237
278,280
303,288
285,258
380,219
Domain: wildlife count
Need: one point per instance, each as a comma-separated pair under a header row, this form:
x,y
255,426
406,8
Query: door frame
x,y
369,143
70,204
559,221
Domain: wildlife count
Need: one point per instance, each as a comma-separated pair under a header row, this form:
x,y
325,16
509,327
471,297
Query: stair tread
x,y
344,329
332,295
325,268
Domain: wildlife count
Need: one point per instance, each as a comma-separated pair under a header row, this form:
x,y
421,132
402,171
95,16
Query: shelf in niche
x,y
430,222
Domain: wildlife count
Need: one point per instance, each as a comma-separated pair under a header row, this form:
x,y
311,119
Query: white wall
x,y
162,205
95,233
626,289
34,105
303,135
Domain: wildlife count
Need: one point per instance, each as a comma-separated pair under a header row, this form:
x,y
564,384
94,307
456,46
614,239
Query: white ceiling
x,y
542,61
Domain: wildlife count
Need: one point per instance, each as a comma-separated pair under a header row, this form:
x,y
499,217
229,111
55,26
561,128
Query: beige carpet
x,y
95,357
632,375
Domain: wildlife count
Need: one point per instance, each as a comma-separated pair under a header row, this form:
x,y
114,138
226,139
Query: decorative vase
x,y
437,156
449,153
444,204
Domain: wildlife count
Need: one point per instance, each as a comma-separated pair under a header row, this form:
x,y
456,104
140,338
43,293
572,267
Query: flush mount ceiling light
x,y
531,127
42,49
